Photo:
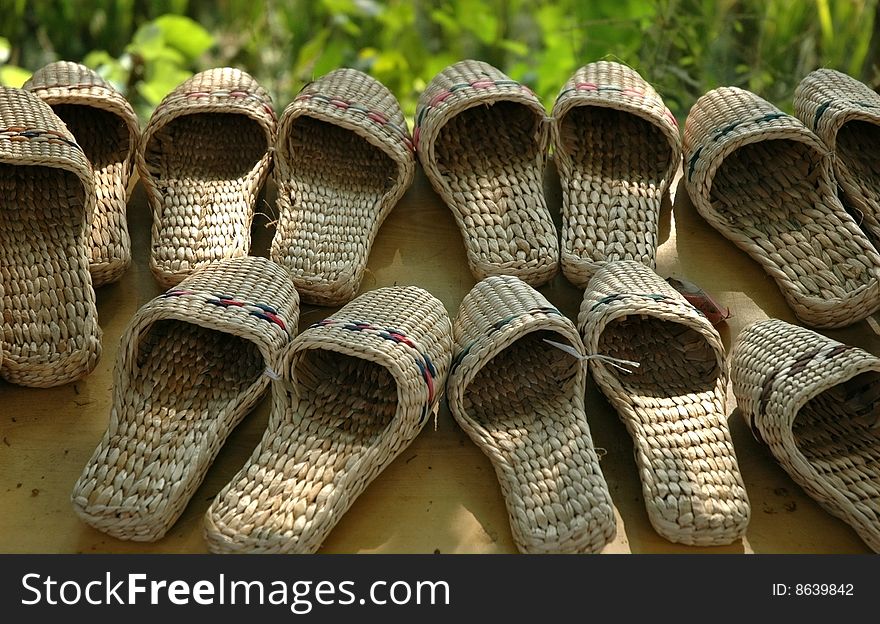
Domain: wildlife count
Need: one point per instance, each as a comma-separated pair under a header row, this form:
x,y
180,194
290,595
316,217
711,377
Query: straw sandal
x,y
344,158
673,402
845,113
482,140
521,400
355,390
106,128
814,402
203,158
617,148
765,182
49,326
192,363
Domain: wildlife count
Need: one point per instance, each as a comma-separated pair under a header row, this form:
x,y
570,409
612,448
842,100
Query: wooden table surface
x,y
441,494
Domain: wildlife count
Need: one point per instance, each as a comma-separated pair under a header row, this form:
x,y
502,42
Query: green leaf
x,y
185,35
162,77
309,54
149,44
13,76
5,48
517,48
116,71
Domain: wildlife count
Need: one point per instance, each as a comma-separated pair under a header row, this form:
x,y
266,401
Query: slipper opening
x,y
187,374
838,432
206,146
103,136
617,145
482,143
522,380
348,399
673,359
857,143
776,191
336,167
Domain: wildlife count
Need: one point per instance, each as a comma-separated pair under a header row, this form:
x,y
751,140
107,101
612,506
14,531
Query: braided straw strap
x,y
48,320
673,403
203,158
482,140
106,127
344,159
810,399
765,182
845,113
617,150
190,366
521,400
355,390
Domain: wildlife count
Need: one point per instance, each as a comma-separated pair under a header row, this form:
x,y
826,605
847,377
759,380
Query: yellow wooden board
x,y
441,494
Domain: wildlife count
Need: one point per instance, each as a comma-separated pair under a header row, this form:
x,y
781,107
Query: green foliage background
x,y
684,47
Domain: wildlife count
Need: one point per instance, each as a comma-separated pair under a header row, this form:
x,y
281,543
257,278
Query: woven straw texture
x,y
845,113
673,404
203,158
802,395
106,128
355,390
344,159
617,148
482,140
191,365
521,400
765,182
50,331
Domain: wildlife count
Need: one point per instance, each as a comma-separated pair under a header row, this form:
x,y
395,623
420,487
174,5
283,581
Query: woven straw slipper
x,y
191,365
521,400
344,158
482,140
814,403
106,128
617,148
673,403
203,158
49,327
845,113
355,390
765,182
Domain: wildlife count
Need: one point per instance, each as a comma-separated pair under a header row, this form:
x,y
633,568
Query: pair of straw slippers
x,y
351,393
354,390
768,181
483,139
342,158
517,388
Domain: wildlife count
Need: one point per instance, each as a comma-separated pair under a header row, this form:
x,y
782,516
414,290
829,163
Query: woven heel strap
x,y
404,329
726,118
826,99
354,100
64,82
32,134
249,297
613,85
627,288
464,85
777,367
494,314
220,90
